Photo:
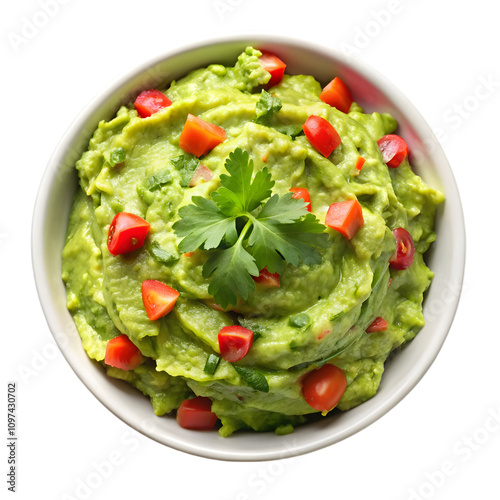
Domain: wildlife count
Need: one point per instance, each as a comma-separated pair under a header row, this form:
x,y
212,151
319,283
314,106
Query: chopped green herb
x,y
117,156
299,320
159,179
267,106
336,316
161,255
283,430
186,165
292,130
212,363
255,379
276,231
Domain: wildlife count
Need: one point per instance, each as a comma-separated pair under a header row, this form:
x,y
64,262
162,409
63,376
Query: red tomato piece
x,y
159,299
402,257
346,217
266,279
201,174
199,137
234,342
126,233
122,353
324,387
321,135
196,414
337,95
394,149
151,101
302,194
360,162
273,65
377,325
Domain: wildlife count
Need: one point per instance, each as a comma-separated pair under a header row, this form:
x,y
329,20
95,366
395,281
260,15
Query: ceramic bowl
x,y
446,257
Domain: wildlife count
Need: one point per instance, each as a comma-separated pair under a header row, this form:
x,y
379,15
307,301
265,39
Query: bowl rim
x,y
287,447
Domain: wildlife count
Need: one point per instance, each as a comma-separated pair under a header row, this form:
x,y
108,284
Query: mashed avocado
x,y
318,314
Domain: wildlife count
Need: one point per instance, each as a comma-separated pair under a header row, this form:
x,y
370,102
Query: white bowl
x,y
446,258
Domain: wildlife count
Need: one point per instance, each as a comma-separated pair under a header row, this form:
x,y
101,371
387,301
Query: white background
x,y
442,440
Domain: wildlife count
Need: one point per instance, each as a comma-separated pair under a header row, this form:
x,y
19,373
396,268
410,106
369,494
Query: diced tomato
x,y
196,414
151,101
377,325
323,333
122,353
266,279
402,257
234,342
346,217
321,135
394,149
324,387
360,162
201,174
126,233
188,254
199,137
337,95
159,299
273,65
302,194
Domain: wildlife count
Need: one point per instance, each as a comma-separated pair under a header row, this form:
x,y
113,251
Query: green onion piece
x,y
253,378
117,156
161,255
212,363
299,320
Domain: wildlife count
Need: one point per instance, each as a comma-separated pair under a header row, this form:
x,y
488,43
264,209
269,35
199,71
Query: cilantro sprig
x,y
245,233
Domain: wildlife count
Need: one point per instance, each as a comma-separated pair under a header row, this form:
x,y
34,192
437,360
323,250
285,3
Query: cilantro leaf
x,y
255,379
238,192
231,271
186,165
246,233
267,106
279,232
204,226
156,181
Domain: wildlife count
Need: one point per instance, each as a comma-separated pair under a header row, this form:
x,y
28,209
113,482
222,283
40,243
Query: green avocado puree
x,y
316,311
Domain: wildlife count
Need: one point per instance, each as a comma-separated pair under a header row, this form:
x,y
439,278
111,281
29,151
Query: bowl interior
x,y
403,371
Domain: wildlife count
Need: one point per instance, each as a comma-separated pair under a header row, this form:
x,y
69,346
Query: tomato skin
x,y
402,258
196,414
199,137
394,150
234,342
302,194
273,65
149,102
159,299
324,387
346,217
126,233
267,279
122,353
201,174
321,134
337,95
377,325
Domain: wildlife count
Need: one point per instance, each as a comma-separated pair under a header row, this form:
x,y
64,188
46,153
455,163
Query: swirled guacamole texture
x,y
318,313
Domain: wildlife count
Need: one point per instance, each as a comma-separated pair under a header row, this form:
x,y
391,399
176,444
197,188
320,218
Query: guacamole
x,y
317,313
